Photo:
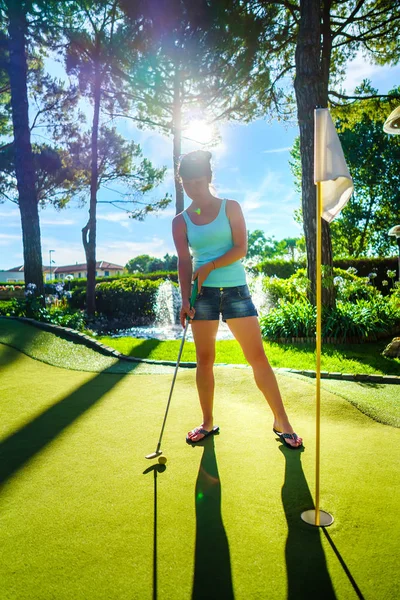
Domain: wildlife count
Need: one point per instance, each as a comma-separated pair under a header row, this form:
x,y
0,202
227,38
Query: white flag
x,y
330,166
392,123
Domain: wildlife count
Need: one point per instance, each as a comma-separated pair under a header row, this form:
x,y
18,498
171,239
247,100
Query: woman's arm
x,y
185,268
239,248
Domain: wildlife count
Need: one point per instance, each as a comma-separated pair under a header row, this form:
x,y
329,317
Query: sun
x,y
199,131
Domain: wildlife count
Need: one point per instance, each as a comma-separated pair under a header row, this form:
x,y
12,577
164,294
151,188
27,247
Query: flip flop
x,y
205,433
289,436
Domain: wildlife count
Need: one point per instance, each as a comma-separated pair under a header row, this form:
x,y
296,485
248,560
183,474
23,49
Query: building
x,y
78,271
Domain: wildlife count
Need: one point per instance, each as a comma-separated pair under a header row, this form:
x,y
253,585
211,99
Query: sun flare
x,y
199,131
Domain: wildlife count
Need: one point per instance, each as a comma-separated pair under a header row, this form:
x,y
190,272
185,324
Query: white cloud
x,y
382,76
277,150
9,214
121,252
57,222
117,217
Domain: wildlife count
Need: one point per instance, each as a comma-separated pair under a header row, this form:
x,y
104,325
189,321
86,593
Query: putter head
x,y
153,454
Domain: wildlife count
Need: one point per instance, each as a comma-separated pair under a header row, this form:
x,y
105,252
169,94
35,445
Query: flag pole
x,y
318,353
318,517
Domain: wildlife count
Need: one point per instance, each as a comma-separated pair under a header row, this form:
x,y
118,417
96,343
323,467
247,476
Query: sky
x,y
250,165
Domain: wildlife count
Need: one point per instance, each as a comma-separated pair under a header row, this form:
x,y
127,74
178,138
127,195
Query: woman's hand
x,y
202,273
186,311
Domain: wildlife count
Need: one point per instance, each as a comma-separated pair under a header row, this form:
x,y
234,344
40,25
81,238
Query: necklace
x,y
197,211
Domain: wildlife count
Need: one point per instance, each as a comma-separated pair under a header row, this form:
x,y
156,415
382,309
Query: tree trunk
x,y
311,91
24,167
177,140
89,231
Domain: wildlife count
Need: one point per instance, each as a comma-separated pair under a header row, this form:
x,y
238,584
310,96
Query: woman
x,y
215,231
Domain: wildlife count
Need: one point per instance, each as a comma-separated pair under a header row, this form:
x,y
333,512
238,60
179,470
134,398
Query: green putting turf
x,y
77,512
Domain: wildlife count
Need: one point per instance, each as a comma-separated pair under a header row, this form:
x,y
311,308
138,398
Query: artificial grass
x,y
62,352
352,358
77,512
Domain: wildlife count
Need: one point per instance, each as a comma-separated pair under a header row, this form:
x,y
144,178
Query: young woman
x,y
215,232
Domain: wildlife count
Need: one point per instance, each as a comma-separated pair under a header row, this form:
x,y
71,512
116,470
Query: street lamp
x,y
51,261
395,232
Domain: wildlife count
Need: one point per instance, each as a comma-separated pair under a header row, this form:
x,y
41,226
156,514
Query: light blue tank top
x,y
208,242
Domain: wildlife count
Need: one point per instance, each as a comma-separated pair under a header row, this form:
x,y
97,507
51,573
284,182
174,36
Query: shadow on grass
x,y
157,468
307,571
144,349
22,445
368,353
343,564
212,570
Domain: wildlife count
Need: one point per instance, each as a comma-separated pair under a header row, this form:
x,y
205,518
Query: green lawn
x,y
352,358
78,499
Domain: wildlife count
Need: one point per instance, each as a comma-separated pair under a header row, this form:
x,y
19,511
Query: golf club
x,y
192,301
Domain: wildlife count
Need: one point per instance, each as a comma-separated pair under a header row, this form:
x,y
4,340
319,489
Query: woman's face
x,y
196,187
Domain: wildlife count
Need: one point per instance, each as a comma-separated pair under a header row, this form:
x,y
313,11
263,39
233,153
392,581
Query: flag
x,y
330,167
392,123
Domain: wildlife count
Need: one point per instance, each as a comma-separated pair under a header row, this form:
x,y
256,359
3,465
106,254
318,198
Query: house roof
x,y
100,264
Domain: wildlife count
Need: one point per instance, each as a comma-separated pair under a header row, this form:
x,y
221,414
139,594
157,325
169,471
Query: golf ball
x,y
162,460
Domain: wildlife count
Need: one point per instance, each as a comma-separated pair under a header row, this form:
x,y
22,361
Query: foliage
x,y
264,248
32,307
362,319
372,157
292,289
279,268
127,296
148,264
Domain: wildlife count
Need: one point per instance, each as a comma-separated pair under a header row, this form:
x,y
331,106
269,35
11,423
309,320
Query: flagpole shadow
x,y
157,468
343,564
307,571
212,569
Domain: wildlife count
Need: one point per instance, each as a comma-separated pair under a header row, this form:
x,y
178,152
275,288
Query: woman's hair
x,y
196,164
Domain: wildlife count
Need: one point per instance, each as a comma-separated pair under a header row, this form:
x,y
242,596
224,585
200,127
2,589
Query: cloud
x,y
10,214
360,68
57,222
277,150
121,252
116,217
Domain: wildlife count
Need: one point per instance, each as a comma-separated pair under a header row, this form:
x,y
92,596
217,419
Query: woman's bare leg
x,y
205,334
247,332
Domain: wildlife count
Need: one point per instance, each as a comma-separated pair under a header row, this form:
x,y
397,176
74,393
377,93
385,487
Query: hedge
x,y
285,269
123,297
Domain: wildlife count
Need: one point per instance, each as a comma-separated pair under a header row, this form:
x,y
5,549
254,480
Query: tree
x,y
98,47
313,39
22,148
189,68
373,158
148,264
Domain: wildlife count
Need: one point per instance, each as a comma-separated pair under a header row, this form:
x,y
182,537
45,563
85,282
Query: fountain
x,y
168,303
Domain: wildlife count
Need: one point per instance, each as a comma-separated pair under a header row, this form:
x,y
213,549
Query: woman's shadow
x,y
307,571
212,570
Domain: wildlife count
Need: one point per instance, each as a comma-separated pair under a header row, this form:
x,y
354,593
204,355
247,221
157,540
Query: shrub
x,y
363,319
288,320
280,268
290,290
9,308
127,296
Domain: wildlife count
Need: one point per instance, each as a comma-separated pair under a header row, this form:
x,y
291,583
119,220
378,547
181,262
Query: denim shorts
x,y
231,302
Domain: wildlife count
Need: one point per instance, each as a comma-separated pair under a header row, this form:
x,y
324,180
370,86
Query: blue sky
x,y
250,165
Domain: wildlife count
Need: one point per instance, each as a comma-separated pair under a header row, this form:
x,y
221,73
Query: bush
x,y
279,268
363,319
127,296
9,308
290,290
